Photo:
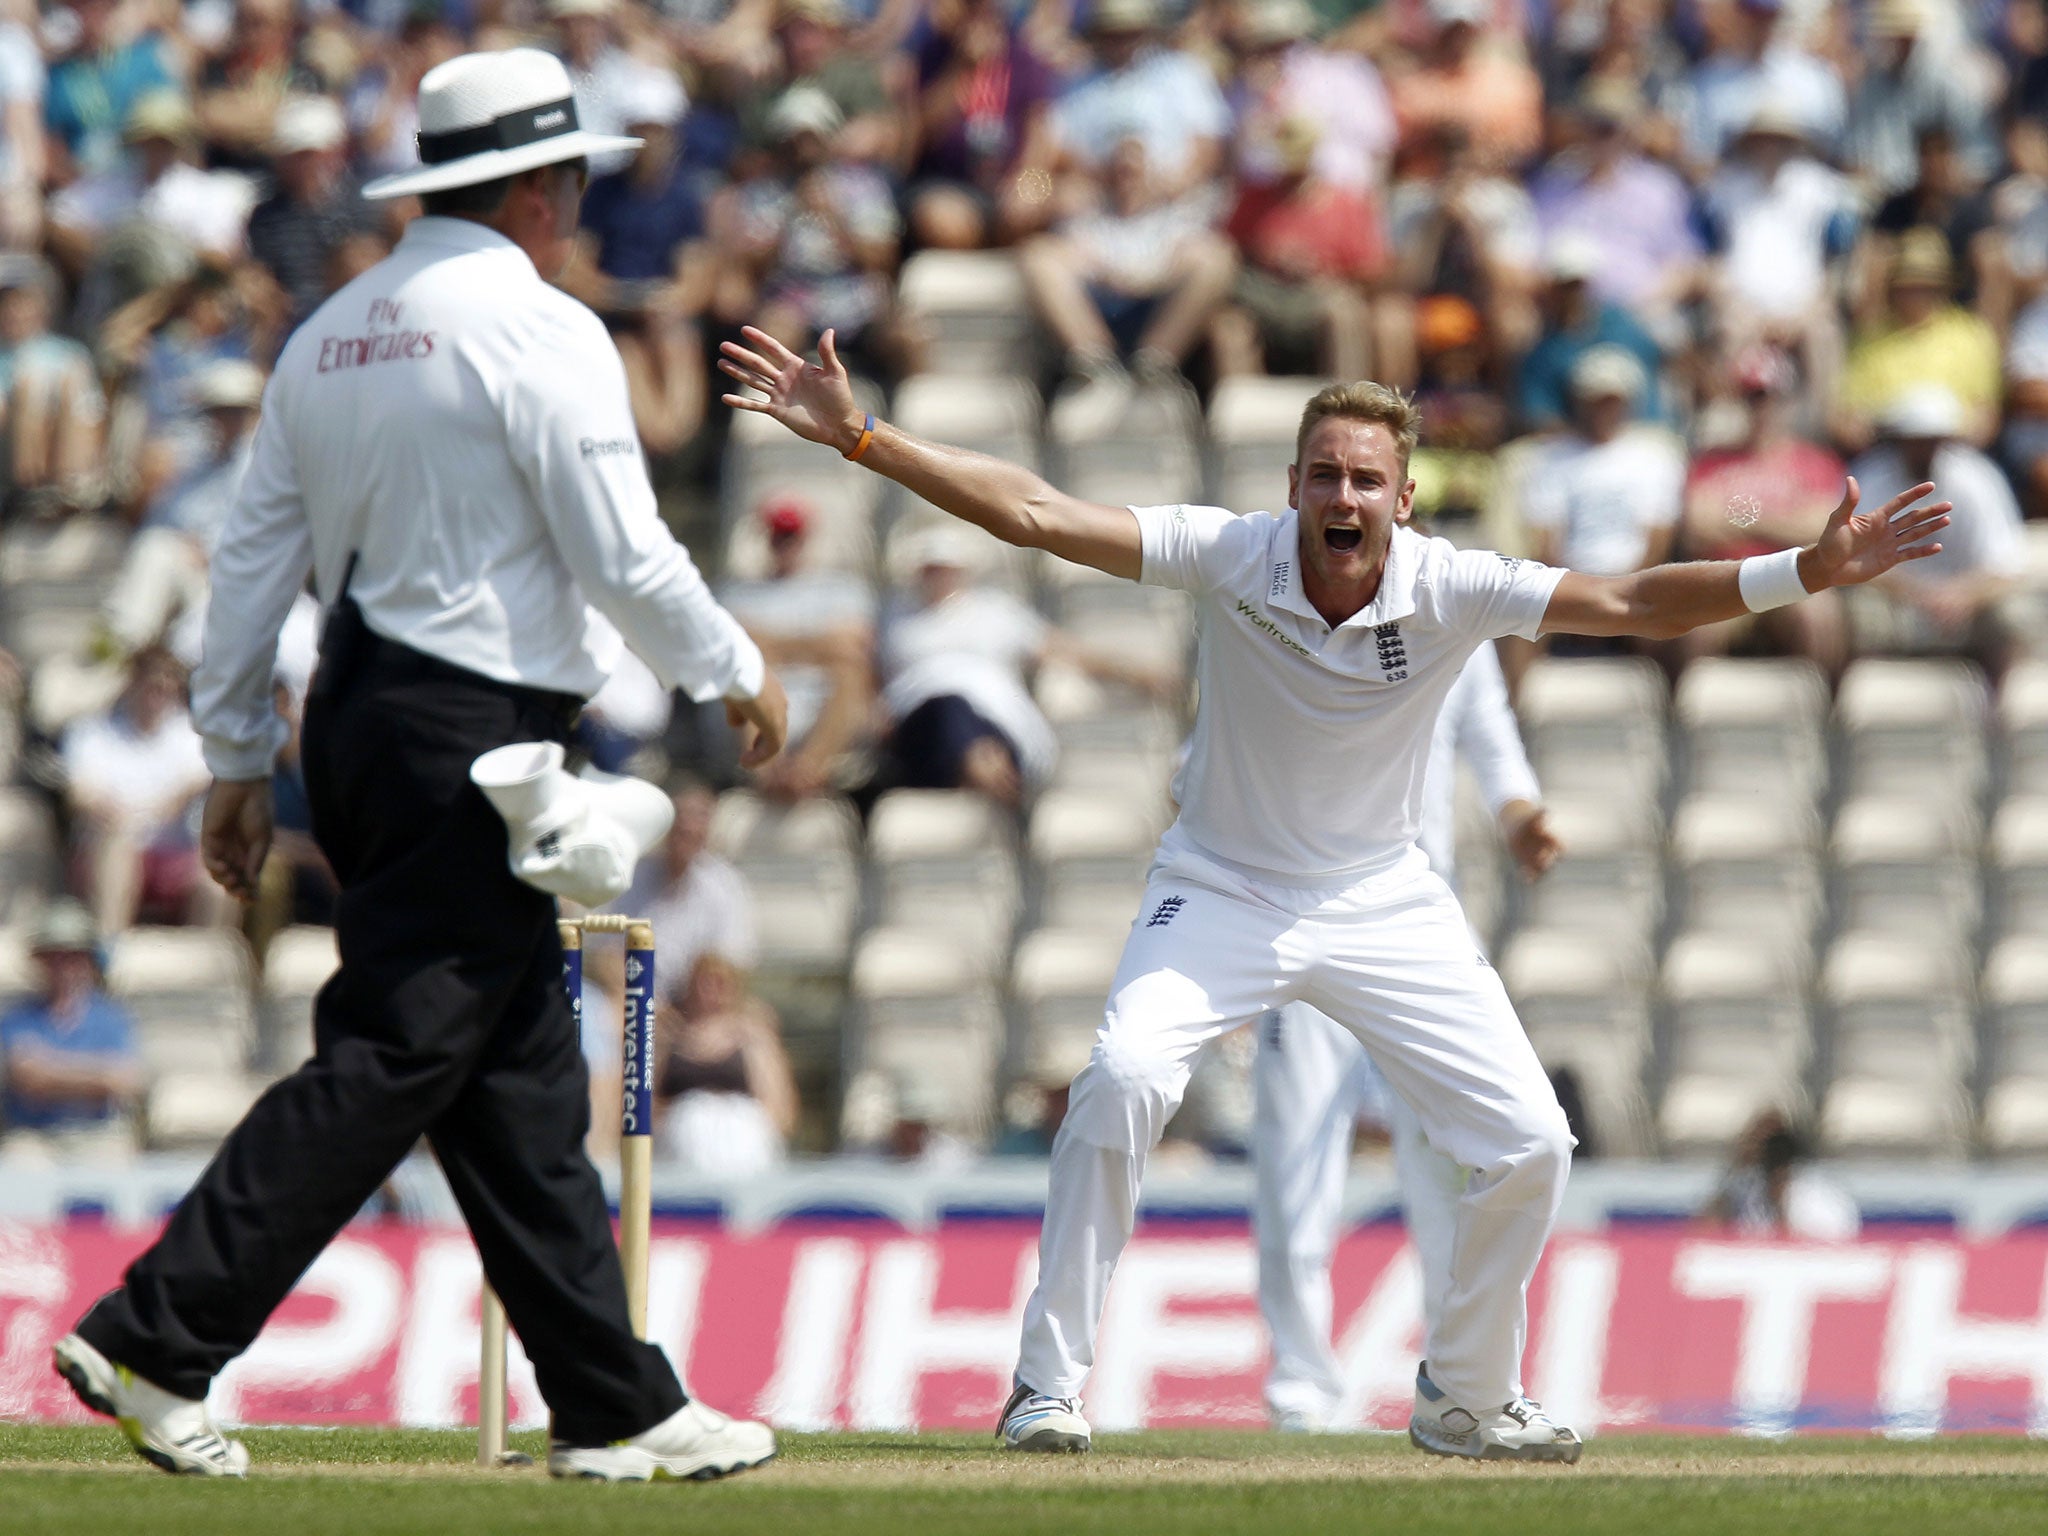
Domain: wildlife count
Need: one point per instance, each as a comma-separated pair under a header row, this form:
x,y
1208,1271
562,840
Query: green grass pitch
x,y
74,1480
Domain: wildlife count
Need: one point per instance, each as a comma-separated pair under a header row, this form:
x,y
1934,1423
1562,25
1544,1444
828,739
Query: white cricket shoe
x,y
1519,1431
167,1431
1032,1421
695,1443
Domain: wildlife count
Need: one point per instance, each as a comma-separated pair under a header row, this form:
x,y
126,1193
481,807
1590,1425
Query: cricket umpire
x,y
448,449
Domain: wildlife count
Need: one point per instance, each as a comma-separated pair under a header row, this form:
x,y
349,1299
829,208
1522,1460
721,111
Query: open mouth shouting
x,y
1342,539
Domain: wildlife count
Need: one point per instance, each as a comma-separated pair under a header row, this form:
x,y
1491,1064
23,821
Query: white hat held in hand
x,y
487,115
574,835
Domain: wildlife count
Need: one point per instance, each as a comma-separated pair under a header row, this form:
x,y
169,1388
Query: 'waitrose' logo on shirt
x,y
1260,621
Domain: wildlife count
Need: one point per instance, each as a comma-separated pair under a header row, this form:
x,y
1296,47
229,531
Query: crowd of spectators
x,y
1660,273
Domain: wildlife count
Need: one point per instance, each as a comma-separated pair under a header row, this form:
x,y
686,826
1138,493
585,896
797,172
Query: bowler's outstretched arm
x,y
815,401
1666,601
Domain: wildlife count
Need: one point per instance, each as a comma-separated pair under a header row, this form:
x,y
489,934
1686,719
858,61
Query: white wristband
x,y
1770,581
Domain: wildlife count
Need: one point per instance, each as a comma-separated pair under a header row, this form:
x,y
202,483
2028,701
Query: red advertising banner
x,y
864,1327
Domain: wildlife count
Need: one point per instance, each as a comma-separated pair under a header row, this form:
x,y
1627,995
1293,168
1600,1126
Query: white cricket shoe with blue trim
x,y
1032,1421
1518,1431
173,1433
694,1444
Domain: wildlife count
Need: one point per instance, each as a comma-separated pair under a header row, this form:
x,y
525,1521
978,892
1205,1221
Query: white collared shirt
x,y
1311,744
466,428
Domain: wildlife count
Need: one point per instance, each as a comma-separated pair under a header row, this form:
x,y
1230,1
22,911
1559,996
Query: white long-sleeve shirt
x,y
465,429
1478,724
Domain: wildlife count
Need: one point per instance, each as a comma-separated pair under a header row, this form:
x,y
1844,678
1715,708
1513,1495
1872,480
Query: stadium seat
x,y
1584,1000
37,630
2017,865
1610,878
2023,724
1754,726
1091,853
1252,427
943,860
802,864
925,1012
1900,1045
999,416
1908,864
1747,863
296,966
1126,446
2015,1034
192,1111
1912,727
28,853
189,989
1060,986
1737,1036
972,310
1595,726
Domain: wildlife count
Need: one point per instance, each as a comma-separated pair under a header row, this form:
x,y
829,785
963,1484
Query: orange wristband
x,y
867,435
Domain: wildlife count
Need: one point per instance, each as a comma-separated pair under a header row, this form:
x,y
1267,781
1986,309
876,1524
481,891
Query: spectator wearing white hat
x,y
316,207
1607,498
644,263
447,452
1956,602
957,658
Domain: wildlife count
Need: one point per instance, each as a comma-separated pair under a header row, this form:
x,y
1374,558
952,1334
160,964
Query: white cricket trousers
x,y
1312,1084
1391,959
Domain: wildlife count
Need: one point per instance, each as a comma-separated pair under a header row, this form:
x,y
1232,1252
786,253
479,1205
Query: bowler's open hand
x,y
1856,547
762,721
815,403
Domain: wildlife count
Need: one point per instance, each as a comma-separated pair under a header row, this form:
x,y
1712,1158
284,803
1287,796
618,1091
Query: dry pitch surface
x,y
371,1482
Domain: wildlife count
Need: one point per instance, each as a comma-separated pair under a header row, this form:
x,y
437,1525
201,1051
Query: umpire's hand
x,y
234,837
762,721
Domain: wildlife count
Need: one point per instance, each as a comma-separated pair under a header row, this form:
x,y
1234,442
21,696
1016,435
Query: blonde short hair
x,y
1364,401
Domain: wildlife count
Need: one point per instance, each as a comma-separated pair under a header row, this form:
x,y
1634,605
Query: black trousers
x,y
447,1019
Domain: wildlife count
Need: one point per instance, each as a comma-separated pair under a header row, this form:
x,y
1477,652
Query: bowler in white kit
x,y
1328,636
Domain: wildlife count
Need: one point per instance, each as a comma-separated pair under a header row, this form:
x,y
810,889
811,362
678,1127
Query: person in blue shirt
x,y
1576,320
94,88
643,264
71,1068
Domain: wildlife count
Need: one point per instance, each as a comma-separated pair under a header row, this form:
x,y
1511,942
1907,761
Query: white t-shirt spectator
x,y
1166,99
975,646
1775,236
208,209
1983,537
1603,499
106,757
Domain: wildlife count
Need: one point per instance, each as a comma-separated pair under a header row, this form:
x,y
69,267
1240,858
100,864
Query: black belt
x,y
397,662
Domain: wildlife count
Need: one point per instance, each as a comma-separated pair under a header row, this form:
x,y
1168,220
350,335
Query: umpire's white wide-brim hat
x,y
486,115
